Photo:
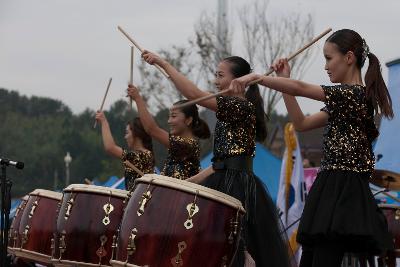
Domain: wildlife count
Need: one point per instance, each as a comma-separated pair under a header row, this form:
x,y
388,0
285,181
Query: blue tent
x,y
387,148
266,166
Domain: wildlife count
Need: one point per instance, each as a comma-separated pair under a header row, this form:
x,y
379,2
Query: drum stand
x,y
5,213
389,259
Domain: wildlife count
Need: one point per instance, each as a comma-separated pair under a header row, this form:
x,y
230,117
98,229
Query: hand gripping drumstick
x,y
133,167
141,50
104,99
195,101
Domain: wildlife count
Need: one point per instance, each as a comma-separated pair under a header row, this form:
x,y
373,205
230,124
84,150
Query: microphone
x,y
16,164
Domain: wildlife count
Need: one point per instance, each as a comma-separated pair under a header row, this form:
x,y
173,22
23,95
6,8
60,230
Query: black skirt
x,y
262,233
341,208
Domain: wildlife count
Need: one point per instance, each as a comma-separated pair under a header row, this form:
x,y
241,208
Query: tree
x,y
267,38
263,39
156,90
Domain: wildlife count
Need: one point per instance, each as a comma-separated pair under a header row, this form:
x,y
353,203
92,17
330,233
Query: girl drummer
x,y
186,128
139,151
240,122
340,214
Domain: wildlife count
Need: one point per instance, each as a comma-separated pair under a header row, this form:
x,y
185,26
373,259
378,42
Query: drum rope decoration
x,y
36,228
92,213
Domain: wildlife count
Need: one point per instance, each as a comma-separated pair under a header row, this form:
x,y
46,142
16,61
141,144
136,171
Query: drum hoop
x,y
96,189
192,188
46,193
116,263
11,250
393,206
76,263
32,255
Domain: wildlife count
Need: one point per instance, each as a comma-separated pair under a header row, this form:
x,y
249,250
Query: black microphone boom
x,y
16,164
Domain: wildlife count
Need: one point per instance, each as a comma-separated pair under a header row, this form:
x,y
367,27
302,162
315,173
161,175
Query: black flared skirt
x,y
340,208
262,233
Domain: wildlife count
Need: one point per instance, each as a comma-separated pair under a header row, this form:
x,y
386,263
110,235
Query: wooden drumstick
x,y
104,99
195,101
131,76
141,50
87,181
133,167
391,196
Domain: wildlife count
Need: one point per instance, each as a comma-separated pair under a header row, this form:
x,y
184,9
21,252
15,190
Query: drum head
x,y
46,193
389,206
101,190
193,188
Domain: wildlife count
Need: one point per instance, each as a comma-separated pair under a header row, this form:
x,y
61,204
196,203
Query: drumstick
x,y
141,50
392,197
195,101
87,181
104,99
133,167
131,76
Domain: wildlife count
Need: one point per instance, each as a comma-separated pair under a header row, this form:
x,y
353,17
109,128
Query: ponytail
x,y
377,91
139,132
253,95
239,68
200,129
198,126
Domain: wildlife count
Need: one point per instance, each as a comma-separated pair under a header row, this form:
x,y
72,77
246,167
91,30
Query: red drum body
x,y
13,239
171,222
87,222
392,214
37,225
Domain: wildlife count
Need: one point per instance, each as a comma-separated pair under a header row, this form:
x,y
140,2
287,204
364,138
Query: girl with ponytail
x,y
186,128
340,213
139,151
240,123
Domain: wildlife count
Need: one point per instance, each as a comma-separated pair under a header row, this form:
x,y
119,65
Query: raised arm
x,y
281,84
184,85
149,124
108,141
289,88
300,122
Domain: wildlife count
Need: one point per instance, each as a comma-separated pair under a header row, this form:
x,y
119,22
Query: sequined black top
x,y
183,159
143,160
235,131
350,130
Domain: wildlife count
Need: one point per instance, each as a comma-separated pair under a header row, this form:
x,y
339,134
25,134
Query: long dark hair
x,y
138,131
239,68
198,126
377,93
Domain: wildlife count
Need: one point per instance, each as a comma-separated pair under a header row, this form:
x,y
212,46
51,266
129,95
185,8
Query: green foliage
x,y
40,131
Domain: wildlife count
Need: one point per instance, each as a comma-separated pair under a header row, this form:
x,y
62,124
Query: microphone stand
x,y
5,213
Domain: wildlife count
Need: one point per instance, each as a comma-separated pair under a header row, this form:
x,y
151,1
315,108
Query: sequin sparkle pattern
x,y
183,159
235,130
143,160
350,130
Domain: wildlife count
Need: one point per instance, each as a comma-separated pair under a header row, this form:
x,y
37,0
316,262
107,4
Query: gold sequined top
x,y
235,131
143,160
348,136
183,159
